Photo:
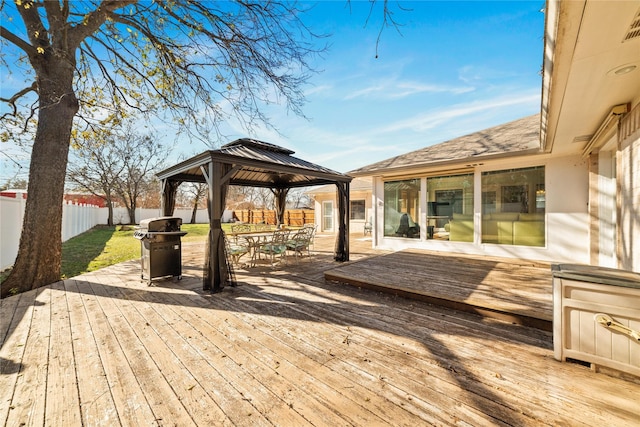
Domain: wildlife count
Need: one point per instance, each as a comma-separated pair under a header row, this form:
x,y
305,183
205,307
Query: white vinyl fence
x,y
76,219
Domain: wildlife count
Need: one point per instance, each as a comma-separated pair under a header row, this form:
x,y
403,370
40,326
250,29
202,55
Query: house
x,y
486,193
85,199
591,107
560,186
14,193
326,207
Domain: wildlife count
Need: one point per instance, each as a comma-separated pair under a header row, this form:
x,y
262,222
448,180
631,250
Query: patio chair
x,y
299,243
237,248
276,245
311,230
368,227
263,227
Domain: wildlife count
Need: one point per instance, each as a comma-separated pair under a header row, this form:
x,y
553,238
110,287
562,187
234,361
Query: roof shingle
x,y
513,138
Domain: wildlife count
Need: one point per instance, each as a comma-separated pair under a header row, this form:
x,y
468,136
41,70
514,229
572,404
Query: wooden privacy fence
x,y
292,217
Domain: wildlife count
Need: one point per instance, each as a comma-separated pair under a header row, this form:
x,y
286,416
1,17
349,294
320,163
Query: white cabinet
x,y
596,316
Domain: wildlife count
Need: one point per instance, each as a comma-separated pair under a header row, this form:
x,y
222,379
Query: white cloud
x,y
394,89
433,119
366,91
318,89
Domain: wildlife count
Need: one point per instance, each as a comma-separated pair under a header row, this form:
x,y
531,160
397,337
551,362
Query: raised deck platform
x,y
514,290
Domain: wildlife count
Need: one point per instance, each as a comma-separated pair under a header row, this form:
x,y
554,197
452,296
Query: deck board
x,y
286,347
61,371
124,387
30,340
93,388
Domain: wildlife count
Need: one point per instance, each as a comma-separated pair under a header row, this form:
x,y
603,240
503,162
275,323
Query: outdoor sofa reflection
x,y
505,228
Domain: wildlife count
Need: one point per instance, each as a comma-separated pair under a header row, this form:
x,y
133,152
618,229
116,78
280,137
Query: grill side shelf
x,y
150,234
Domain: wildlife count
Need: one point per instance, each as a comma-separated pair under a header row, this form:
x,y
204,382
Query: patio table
x,y
254,239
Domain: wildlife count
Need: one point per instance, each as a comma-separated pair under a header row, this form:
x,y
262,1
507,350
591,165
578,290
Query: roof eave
x,y
551,19
179,169
467,162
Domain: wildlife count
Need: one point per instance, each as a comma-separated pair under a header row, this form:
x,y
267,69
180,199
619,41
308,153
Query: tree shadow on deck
x,y
289,295
394,315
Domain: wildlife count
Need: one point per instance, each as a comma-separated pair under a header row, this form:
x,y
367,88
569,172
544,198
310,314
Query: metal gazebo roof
x,y
256,164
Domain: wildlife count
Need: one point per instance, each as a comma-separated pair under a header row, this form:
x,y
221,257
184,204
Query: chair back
x,y
300,238
241,228
280,237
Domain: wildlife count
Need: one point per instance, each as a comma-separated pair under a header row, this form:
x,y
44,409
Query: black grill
x,y
160,247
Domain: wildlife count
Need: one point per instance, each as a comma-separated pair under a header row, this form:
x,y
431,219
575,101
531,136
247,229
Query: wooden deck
x,y
283,348
513,290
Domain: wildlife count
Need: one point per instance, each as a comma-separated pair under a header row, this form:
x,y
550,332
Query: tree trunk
x,y
40,251
110,210
132,214
194,211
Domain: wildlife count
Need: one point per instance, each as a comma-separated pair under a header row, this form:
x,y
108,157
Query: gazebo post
x,y
207,172
342,241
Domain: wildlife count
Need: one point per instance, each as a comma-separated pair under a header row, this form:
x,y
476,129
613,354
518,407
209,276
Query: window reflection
x,y
513,207
401,208
450,208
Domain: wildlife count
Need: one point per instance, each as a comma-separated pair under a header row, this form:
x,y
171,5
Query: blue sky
x,y
450,69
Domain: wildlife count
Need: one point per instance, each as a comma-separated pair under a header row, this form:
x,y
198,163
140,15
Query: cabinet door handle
x,y
607,321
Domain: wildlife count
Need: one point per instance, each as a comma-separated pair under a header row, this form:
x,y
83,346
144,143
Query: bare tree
x,y
15,184
141,155
264,198
196,193
97,61
298,198
116,164
95,168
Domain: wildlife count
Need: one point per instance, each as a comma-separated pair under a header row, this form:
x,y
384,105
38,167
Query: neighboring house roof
x,y
514,138
358,184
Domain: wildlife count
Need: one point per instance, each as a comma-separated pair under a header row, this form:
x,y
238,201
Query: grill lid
x,y
161,224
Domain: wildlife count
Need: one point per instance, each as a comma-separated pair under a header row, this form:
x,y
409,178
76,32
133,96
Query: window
x,y
450,208
357,209
513,207
401,208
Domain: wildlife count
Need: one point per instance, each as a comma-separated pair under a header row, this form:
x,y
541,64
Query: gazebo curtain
x,y
216,270
342,240
169,189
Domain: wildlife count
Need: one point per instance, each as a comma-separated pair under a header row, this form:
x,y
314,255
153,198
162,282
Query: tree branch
x,y
12,101
17,41
94,20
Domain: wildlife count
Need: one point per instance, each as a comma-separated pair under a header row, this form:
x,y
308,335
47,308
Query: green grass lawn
x,y
104,246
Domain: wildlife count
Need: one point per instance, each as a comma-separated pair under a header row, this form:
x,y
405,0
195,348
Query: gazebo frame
x,y
251,163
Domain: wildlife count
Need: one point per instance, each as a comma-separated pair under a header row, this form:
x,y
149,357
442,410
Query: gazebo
x,y
251,163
